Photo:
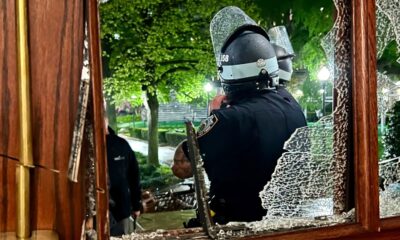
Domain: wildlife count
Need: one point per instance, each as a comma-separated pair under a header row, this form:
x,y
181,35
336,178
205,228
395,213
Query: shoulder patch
x,y
206,125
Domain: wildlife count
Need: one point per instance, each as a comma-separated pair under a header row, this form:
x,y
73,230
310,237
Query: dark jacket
x,y
240,146
124,179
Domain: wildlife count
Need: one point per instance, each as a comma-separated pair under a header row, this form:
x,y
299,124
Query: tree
x,y
307,22
387,62
154,47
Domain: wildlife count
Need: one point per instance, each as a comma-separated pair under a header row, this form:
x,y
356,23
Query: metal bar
x,y
26,161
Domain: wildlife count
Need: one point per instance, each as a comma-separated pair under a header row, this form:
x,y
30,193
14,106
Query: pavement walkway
x,y
165,153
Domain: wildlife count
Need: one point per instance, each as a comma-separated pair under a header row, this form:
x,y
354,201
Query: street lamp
x,y
208,87
323,76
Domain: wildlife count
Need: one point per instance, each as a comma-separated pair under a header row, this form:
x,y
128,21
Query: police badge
x,y
206,125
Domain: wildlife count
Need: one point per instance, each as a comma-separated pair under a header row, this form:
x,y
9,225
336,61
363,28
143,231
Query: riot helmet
x,y
245,58
280,37
284,52
284,63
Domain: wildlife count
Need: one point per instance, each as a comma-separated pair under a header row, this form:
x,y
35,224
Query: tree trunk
x,y
151,103
111,113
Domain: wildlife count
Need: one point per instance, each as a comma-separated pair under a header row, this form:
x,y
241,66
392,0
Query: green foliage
x,y
312,98
171,133
307,22
171,124
154,177
144,133
174,138
315,16
381,147
387,62
124,119
135,132
161,135
170,137
391,137
321,136
159,46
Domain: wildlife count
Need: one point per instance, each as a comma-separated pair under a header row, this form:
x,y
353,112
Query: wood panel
x,y
8,89
7,194
55,43
365,114
9,141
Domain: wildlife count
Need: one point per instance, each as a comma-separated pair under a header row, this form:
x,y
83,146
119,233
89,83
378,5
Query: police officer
x,y
241,142
124,184
285,71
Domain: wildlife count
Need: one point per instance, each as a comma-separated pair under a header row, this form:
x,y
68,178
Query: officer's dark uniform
x,y
123,170
240,146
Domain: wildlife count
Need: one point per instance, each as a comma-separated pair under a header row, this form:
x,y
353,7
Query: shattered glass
x,y
90,177
387,24
389,201
387,96
337,47
308,187
224,23
90,174
302,182
388,30
300,193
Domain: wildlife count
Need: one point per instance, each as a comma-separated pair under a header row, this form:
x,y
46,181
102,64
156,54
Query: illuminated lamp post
x,y
323,76
207,88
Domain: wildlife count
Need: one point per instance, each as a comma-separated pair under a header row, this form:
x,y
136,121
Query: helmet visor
x,y
224,24
280,37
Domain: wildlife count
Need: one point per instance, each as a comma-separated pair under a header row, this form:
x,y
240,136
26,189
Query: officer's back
x,y
241,149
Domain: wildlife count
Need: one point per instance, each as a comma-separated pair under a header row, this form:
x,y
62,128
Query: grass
x,y
165,220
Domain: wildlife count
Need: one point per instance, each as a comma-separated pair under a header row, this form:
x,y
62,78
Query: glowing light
x,y
323,74
208,87
298,93
385,90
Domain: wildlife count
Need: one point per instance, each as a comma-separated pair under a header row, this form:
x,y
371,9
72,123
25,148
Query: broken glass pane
x,y
300,192
388,96
307,185
388,27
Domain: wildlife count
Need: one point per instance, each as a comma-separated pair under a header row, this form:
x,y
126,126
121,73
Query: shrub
x,y
144,133
154,177
172,133
125,119
172,124
161,135
165,136
174,138
135,132
391,137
